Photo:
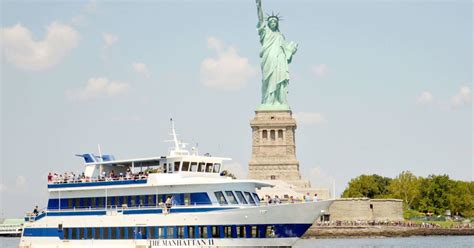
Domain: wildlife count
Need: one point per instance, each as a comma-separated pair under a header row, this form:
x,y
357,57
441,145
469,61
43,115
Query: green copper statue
x,y
276,54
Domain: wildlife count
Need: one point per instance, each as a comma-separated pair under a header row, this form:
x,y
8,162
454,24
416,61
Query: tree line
x,y
432,194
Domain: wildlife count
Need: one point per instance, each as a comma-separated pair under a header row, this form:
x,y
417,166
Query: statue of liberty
x,y
276,53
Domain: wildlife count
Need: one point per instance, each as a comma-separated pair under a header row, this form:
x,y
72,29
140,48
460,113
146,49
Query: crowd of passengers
x,y
82,178
277,200
406,223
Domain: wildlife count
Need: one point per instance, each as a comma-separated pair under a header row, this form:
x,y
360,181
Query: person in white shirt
x,y
315,198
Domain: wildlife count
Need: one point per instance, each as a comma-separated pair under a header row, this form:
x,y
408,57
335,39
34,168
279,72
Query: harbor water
x,y
418,242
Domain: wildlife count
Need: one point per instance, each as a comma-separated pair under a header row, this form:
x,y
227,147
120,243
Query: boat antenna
x,y
100,152
175,137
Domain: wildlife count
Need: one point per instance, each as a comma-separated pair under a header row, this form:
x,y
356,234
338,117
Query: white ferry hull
x,y
290,221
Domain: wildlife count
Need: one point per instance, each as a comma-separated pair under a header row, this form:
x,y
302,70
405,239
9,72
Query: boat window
x,y
270,232
101,202
77,203
114,233
89,233
209,167
176,165
152,232
185,166
249,197
202,167
231,197
228,231
241,197
191,232
180,232
257,199
241,232
216,232
70,203
81,233
93,202
106,233
187,199
220,198
161,232
254,232
96,233
203,232
74,233
170,232
130,233
217,166
194,167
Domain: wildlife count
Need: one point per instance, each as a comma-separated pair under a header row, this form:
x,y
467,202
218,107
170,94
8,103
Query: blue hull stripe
x,y
90,184
42,232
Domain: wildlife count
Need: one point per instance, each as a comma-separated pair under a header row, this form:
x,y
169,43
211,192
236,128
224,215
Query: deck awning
x,y
139,162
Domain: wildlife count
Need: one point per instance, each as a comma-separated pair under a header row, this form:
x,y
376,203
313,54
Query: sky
x,y
376,86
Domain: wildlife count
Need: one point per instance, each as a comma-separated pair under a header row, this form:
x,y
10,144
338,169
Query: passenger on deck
x,y
307,197
276,200
292,200
315,198
168,204
50,177
35,211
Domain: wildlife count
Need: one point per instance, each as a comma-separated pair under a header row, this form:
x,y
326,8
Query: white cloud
x,y
237,169
425,98
141,69
308,118
228,71
20,183
22,50
320,71
98,87
463,97
109,39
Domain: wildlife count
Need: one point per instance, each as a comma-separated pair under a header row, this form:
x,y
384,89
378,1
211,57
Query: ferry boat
x,y
182,199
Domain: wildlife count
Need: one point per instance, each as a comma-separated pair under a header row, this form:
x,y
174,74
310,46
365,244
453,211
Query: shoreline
x,y
382,231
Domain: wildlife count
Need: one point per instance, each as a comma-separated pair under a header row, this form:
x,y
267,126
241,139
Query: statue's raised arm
x,y
259,12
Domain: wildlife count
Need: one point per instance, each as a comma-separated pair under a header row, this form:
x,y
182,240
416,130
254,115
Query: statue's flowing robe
x,y
275,56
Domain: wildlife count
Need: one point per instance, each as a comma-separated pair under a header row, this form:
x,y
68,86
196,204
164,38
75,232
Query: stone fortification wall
x,y
350,209
364,209
387,209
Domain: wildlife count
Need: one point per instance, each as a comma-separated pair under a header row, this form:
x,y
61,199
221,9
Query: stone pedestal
x,y
274,149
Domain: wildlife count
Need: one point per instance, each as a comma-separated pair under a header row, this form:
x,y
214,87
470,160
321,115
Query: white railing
x,y
99,179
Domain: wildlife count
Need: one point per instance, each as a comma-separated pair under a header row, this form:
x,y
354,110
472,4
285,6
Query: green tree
x,y
371,186
435,194
405,186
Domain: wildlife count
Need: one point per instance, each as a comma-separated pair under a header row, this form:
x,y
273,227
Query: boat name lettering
x,y
181,242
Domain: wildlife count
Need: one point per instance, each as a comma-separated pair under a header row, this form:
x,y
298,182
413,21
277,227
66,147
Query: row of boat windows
x,y
200,198
230,198
193,167
186,199
170,232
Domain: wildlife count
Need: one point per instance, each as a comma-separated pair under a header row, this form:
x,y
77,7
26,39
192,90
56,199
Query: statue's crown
x,y
274,16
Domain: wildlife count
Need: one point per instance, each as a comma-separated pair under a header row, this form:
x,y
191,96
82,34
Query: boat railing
x,y
96,180
125,207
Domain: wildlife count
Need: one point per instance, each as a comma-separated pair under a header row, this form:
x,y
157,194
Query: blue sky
x,y
376,86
